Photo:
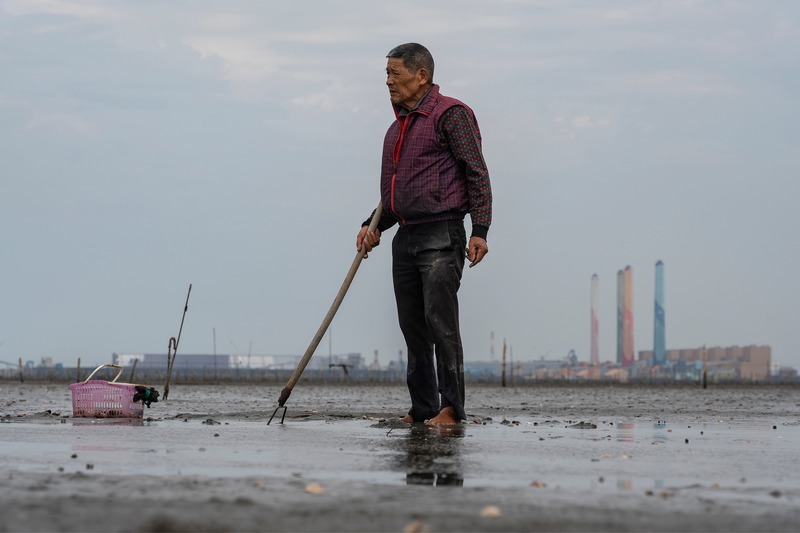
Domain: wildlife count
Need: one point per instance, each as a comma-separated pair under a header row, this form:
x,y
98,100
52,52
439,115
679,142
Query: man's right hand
x,y
370,239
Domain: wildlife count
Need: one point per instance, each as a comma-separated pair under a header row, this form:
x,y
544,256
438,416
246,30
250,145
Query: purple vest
x,y
421,181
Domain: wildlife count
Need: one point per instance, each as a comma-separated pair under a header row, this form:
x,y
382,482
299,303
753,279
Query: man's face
x,y
405,88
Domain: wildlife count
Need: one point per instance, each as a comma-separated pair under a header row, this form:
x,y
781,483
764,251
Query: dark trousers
x,y
427,263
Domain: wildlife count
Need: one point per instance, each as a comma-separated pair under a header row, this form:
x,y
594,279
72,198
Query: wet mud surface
x,y
529,459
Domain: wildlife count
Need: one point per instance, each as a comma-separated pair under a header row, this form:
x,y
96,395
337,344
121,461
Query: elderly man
x,y
432,174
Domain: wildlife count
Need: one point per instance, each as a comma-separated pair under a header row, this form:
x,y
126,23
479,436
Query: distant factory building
x,y
158,361
209,362
748,363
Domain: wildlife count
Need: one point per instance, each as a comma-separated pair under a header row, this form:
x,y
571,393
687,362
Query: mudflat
x,y
530,458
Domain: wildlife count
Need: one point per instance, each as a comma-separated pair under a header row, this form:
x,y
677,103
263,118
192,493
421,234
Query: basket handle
x,y
119,372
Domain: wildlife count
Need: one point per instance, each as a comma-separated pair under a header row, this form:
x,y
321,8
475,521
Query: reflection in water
x,y
105,422
659,437
430,455
625,432
432,478
624,484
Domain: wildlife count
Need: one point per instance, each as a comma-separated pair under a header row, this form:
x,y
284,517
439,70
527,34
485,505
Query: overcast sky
x,y
235,146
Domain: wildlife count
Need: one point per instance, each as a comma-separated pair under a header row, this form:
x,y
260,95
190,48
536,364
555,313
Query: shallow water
x,y
567,445
626,439
613,457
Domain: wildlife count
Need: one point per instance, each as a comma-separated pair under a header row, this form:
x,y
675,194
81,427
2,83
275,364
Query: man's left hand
x,y
476,249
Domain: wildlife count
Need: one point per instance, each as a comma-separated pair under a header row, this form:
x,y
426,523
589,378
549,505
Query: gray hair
x,y
414,56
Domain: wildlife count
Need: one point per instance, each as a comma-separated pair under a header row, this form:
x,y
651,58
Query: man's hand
x,y
476,249
370,239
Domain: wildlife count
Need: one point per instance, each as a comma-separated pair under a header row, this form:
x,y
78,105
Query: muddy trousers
x,y
427,263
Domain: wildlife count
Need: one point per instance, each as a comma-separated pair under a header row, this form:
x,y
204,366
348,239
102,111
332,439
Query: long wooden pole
x,y
287,390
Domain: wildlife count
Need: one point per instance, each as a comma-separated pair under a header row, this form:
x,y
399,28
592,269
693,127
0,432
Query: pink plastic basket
x,y
96,398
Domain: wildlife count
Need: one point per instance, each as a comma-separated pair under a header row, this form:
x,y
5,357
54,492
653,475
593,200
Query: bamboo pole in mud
x,y
511,365
287,390
133,370
21,375
705,368
503,375
78,371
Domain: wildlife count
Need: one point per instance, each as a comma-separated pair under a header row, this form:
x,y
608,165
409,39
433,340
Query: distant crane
x,y
572,358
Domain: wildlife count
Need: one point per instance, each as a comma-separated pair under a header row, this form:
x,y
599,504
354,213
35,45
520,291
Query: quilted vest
x,y
421,181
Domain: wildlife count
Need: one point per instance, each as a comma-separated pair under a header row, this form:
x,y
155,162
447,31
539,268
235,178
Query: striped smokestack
x,y
659,320
620,314
627,340
594,352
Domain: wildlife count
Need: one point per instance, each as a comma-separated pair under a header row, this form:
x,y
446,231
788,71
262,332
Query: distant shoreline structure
x,y
734,364
358,377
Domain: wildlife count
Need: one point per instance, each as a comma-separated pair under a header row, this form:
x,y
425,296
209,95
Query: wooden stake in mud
x,y
172,346
287,390
78,371
503,376
21,375
133,370
705,368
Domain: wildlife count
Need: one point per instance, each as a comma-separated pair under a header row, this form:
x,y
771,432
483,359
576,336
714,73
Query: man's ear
x,y
424,78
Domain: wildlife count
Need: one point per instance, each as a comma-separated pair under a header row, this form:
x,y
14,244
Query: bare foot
x,y
408,419
446,417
